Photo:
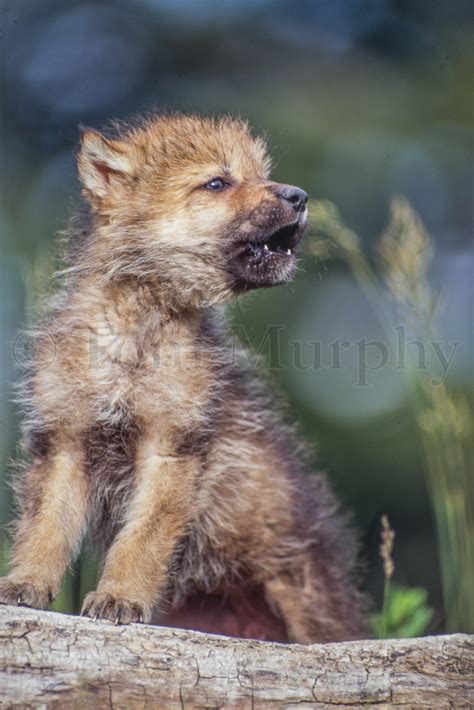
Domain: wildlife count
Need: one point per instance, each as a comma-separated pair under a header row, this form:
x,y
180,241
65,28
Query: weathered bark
x,y
56,661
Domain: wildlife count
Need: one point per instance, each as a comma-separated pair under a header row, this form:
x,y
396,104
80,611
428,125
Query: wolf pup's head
x,y
187,201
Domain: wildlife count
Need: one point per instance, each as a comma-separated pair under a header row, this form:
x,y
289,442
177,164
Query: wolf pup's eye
x,y
215,185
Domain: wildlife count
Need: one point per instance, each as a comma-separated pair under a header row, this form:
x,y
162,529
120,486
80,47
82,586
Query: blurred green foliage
x,y
444,419
406,613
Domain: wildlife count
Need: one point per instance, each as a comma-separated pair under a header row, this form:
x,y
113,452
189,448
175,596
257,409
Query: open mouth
x,y
266,259
280,244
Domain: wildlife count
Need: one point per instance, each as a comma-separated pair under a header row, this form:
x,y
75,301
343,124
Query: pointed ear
x,y
102,161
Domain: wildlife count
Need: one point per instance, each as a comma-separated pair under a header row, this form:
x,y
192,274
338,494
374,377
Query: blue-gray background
x,y
359,100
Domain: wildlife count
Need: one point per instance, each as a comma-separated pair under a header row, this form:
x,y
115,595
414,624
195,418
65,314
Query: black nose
x,y
295,195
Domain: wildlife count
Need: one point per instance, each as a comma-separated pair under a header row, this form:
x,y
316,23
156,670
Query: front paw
x,y
103,605
24,594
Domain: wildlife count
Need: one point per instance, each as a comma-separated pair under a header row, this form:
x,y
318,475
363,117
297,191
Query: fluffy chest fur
x,y
149,365
124,360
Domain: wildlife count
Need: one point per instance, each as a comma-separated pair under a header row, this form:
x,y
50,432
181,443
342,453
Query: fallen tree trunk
x,y
57,661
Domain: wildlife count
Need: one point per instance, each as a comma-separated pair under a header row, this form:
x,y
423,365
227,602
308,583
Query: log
x,y
50,660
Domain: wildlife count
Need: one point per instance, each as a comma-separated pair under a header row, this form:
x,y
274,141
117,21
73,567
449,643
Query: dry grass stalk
x,y
445,417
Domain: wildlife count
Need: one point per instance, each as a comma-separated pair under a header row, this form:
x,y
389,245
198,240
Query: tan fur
x,y
140,419
48,533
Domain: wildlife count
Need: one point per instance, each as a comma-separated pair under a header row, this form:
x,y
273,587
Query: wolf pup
x,y
141,425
